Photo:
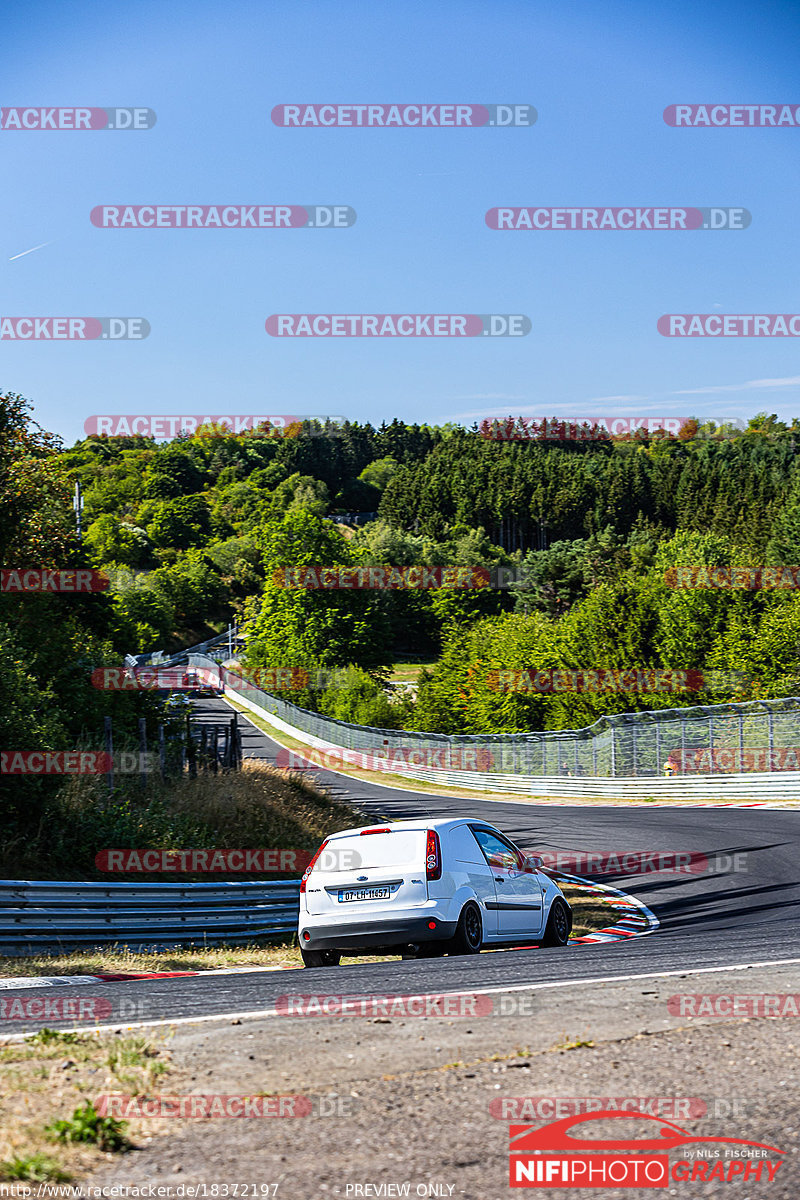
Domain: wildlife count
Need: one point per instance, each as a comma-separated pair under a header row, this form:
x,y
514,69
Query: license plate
x,y
373,893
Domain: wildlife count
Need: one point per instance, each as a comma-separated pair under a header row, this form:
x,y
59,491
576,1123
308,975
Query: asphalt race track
x,y
716,919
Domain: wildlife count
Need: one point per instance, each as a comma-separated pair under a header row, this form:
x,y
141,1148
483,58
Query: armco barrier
x,y
617,757
51,918
38,918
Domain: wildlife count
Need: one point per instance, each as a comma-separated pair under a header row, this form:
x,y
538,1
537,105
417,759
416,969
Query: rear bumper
x,y
369,934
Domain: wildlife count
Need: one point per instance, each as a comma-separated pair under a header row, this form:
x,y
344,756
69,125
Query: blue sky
x,y
599,77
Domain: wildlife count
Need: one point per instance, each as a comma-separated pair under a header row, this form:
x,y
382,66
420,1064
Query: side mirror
x,y
533,862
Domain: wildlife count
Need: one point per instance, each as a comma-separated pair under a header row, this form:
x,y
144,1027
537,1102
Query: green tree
x,y
180,523
300,627
111,540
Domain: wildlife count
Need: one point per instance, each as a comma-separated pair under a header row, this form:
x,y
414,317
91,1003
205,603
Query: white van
x,y
425,888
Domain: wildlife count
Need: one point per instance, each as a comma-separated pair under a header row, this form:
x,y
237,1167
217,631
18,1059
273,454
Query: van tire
x,y
321,958
559,924
468,937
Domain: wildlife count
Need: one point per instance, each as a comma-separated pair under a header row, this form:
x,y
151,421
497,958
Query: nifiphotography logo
x,y
553,1156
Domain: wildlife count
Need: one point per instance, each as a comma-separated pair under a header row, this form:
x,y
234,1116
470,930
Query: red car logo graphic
x,y
556,1136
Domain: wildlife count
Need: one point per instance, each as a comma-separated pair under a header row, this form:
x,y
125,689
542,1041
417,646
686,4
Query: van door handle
x,y
499,879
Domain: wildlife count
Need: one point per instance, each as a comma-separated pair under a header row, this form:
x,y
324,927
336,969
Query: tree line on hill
x,y
191,533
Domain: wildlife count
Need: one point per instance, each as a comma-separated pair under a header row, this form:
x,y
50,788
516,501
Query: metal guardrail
x,y
217,645
513,758
38,918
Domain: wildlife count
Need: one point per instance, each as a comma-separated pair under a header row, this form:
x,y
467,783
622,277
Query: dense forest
x,y
194,532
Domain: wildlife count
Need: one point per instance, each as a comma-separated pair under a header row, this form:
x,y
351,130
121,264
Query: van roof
x,y
437,823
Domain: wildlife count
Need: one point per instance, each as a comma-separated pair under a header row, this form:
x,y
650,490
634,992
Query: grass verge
x,y
256,808
50,1130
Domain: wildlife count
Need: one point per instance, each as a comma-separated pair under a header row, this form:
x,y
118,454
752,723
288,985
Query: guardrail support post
x,y
771,729
109,740
191,755
683,744
142,753
162,752
658,745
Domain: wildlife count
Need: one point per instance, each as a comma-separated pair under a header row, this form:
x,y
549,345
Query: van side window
x,y
498,852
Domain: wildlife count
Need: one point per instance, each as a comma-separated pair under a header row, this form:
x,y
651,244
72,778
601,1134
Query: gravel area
x,y
398,1101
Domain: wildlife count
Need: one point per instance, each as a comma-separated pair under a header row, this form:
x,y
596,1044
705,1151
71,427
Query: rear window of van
x,y
403,848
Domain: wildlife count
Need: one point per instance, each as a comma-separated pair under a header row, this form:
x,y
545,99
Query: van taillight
x,y
433,856
310,866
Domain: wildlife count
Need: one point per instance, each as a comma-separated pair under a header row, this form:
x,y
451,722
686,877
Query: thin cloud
x,y
489,396
618,400
752,385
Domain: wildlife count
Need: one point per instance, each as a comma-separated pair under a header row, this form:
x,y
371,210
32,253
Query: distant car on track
x,y
199,684
425,888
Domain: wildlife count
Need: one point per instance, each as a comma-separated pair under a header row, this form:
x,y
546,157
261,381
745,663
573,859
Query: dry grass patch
x,y
259,807
54,1079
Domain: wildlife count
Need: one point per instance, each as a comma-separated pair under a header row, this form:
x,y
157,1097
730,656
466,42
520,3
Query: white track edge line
x,y
260,1014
